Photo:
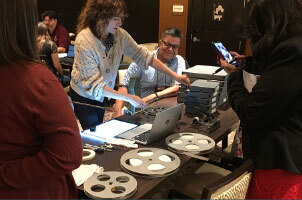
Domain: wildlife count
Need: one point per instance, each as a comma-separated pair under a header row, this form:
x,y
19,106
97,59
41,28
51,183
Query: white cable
x,y
90,156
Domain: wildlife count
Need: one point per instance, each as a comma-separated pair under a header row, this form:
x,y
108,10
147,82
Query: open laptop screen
x,y
70,53
109,129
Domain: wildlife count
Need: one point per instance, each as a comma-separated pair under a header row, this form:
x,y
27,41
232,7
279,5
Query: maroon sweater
x,y
60,36
40,142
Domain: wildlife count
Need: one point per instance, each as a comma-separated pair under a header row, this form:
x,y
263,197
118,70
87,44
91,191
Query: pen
x,y
221,68
218,70
233,60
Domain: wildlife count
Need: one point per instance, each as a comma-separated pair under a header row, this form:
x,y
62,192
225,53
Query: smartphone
x,y
222,51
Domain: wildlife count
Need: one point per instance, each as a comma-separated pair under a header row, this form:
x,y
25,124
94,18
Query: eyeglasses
x,y
168,45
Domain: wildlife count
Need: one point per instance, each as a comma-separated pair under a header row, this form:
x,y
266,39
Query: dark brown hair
x,y
18,31
102,10
50,13
269,22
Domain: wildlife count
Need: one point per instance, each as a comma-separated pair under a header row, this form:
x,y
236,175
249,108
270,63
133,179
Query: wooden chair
x,y
212,184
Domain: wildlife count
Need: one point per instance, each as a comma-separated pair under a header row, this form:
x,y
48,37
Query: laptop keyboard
x,y
67,60
142,137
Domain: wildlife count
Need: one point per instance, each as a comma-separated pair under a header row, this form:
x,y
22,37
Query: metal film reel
x,y
110,185
150,162
88,154
190,142
152,111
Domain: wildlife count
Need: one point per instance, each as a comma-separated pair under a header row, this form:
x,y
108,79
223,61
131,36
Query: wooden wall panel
x,y
142,23
168,19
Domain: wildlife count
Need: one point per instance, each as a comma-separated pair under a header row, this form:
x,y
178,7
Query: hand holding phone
x,y
224,53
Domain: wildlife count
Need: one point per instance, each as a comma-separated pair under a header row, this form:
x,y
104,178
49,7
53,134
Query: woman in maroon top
x,y
40,143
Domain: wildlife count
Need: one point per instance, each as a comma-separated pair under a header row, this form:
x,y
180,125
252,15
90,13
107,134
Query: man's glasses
x,y
168,45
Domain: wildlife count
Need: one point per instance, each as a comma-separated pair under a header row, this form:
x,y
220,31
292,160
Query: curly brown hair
x,y
99,12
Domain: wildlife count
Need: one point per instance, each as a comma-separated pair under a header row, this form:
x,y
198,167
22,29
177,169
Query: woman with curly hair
x,y
99,47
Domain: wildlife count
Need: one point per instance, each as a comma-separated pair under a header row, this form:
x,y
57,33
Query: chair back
x,y
232,186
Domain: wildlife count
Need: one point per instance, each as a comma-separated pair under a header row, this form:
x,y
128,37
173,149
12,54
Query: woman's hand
x,y
136,101
117,113
183,79
228,68
237,55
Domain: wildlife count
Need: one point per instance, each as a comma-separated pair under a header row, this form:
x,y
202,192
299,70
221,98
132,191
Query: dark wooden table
x,y
111,160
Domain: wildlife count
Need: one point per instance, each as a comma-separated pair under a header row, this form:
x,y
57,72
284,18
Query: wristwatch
x,y
156,98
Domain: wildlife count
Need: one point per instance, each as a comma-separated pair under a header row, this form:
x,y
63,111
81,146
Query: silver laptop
x,y
164,123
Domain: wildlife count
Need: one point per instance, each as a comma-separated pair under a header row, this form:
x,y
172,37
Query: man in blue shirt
x,y
153,83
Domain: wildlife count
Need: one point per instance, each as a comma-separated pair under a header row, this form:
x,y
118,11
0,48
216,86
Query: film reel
x,y
152,111
110,185
88,154
150,162
190,142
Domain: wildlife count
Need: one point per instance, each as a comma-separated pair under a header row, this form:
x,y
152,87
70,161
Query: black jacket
x,y
271,115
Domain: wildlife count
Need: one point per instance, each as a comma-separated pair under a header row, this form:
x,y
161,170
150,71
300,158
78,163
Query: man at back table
x,y
153,83
57,32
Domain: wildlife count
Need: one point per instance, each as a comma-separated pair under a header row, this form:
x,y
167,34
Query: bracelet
x,y
156,95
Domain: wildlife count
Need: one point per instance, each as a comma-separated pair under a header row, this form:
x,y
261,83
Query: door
x,y
211,20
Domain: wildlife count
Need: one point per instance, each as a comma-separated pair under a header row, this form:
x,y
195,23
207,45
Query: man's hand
x,y
149,98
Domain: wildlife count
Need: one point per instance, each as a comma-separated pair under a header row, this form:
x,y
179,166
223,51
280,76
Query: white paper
x,y
249,80
123,142
84,172
206,69
109,130
62,55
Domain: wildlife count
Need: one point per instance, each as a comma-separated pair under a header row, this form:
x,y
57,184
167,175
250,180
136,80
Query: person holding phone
x,y
232,58
271,113
99,46
227,66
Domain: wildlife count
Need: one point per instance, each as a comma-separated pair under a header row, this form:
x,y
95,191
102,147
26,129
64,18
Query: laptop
x,y
70,53
164,123
70,56
108,130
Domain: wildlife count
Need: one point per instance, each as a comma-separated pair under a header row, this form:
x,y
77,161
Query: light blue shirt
x,y
151,78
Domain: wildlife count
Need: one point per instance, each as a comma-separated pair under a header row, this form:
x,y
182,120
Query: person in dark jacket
x,y
271,114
